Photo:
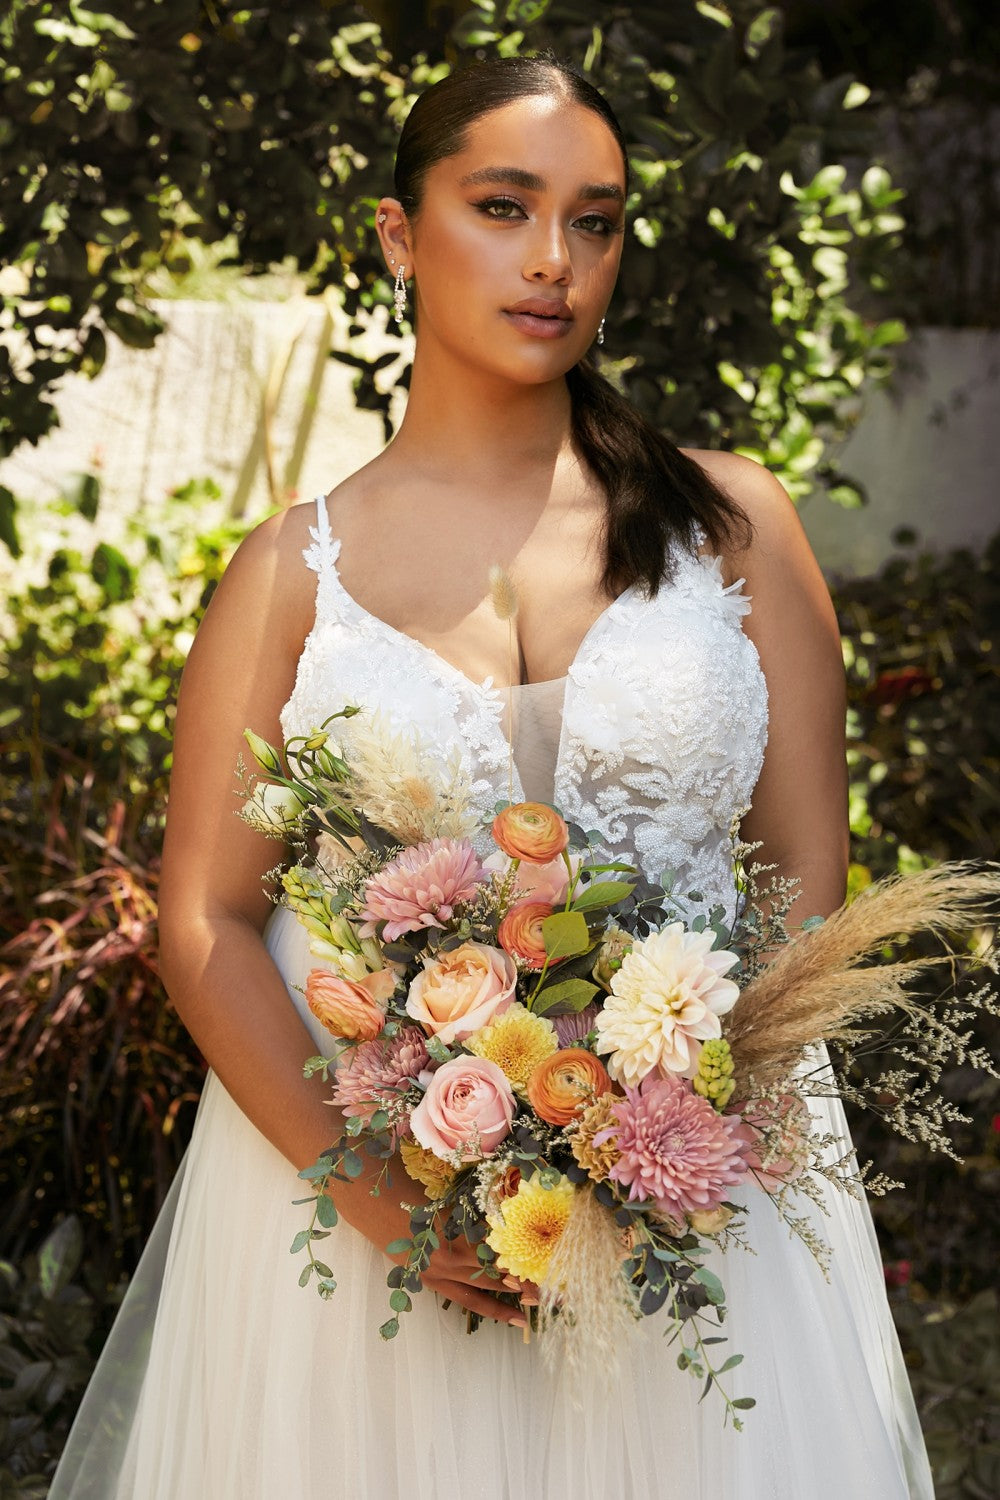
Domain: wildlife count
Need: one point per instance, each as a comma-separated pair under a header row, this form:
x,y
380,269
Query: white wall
x,y
927,448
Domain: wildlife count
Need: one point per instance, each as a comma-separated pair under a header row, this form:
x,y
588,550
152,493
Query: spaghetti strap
x,y
320,553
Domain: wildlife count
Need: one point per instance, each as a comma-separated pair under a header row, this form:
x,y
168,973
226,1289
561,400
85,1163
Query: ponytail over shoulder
x,y
657,497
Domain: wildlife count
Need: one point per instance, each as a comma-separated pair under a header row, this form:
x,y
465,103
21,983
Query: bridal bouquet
x,y
584,1083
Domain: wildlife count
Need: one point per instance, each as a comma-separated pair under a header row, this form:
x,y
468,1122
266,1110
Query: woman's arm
x,y
799,810
213,907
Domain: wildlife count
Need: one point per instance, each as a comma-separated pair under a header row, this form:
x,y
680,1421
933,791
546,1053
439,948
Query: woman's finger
x,y
483,1303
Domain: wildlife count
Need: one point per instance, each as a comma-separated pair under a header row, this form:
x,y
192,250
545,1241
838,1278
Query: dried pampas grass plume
x,y
586,1307
503,594
817,987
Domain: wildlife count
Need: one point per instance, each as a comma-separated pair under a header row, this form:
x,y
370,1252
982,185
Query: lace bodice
x,y
655,737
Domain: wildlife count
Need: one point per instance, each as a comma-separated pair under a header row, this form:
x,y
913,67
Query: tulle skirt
x,y
224,1380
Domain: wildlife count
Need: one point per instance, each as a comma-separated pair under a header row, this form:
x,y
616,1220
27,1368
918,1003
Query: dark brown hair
x,y
656,496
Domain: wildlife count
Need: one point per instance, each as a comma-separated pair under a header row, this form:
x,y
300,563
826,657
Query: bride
x,y
676,659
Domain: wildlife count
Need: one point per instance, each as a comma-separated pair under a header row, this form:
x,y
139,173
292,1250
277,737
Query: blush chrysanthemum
x,y
421,887
376,1075
674,1148
666,999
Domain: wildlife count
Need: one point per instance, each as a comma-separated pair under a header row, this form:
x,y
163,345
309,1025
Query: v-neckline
x,y
486,686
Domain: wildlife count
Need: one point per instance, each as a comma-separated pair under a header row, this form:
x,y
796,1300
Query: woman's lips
x,y
538,324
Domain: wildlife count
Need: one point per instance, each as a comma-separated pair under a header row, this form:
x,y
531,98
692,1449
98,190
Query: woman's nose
x,y
548,258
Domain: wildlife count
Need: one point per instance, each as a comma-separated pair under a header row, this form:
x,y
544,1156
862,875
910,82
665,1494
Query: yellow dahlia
x,y
528,1228
517,1041
424,1167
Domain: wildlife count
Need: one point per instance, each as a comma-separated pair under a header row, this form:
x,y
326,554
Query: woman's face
x,y
516,245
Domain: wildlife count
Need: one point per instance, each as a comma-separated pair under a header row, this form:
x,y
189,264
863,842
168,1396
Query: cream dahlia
x,y
674,1148
421,887
665,1000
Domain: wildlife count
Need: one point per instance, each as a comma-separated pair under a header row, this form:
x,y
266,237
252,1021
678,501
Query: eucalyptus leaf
x,y
326,1211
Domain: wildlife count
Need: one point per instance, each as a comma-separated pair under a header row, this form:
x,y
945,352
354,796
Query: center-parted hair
x,y
656,496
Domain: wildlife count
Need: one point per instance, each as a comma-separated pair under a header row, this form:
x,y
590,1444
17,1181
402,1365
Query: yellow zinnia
x,y
533,1219
517,1041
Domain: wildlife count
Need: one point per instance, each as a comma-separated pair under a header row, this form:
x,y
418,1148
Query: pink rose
x,y
548,882
352,1010
468,1107
462,990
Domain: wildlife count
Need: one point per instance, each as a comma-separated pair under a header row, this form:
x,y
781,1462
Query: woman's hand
x,y
454,1271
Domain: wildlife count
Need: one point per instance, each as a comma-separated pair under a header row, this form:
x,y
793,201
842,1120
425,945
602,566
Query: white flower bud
x,y
272,809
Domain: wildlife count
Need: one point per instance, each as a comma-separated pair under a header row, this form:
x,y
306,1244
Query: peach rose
x,y
351,1009
530,831
468,1107
520,932
564,1084
462,990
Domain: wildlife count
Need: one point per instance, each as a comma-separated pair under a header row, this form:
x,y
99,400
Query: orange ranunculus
x,y
565,1083
355,1011
520,932
531,831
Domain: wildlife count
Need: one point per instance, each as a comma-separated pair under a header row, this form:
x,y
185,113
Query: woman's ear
x,y
393,229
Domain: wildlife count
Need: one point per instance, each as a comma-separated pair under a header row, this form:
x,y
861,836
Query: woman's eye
x,y
500,208
596,224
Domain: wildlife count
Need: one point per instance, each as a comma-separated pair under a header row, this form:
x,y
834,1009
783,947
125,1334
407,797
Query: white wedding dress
x,y
224,1380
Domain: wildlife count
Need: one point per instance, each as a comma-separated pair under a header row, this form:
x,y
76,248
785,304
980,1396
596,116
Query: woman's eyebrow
x,y
532,183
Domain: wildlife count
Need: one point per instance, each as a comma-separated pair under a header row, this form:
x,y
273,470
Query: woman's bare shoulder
x,y
268,579
759,494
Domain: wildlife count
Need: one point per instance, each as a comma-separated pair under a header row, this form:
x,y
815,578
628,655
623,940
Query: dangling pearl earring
x,y
600,332
399,295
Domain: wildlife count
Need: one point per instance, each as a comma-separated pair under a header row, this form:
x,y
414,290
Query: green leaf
x,y
711,1283
8,522
399,1301
305,1274
83,492
352,1164
59,1256
316,1171
602,893
565,934
571,996
390,1328
326,1212
137,327
113,571
399,1247
300,1241
744,1403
